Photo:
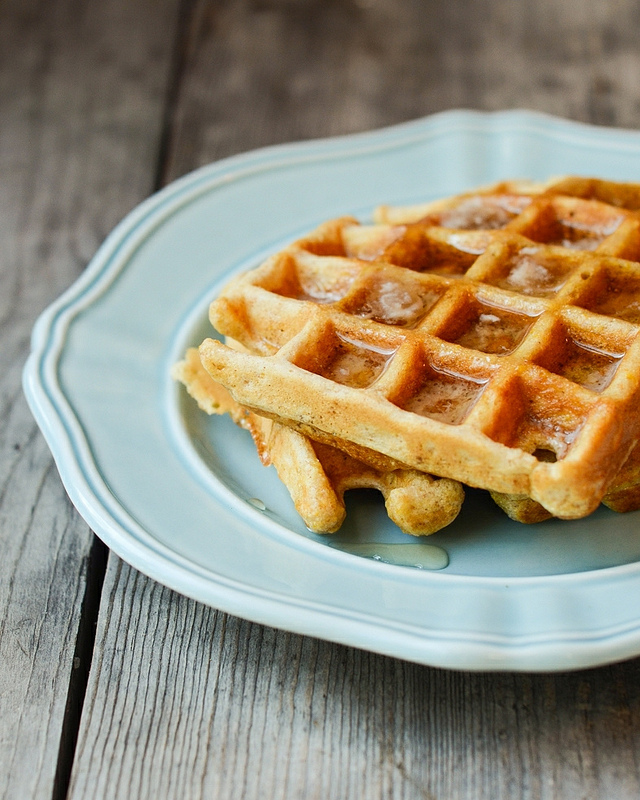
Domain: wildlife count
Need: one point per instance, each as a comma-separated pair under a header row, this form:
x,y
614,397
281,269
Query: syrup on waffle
x,y
318,475
491,338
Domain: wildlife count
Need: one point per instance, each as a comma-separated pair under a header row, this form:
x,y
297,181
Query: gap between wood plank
x,y
98,557
178,63
82,658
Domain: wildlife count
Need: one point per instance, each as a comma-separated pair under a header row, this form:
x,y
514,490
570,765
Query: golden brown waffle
x,y
623,495
317,476
491,338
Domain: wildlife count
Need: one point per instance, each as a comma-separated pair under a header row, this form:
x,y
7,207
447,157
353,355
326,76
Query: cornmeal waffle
x,y
622,495
491,338
317,475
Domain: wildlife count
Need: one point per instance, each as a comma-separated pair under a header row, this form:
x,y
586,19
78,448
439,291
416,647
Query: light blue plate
x,y
183,498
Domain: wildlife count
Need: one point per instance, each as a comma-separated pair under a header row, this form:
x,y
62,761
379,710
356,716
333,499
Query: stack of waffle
x,y
489,340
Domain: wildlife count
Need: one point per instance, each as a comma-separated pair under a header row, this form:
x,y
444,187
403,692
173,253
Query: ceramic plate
x,y
183,498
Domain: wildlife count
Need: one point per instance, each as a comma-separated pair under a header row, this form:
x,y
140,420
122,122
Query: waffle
x,y
417,503
623,495
490,338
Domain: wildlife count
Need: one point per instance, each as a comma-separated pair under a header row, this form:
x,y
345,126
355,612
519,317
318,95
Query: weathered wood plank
x,y
266,71
82,89
184,702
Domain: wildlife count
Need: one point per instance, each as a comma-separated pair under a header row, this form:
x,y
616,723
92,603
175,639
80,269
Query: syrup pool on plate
x,y
418,555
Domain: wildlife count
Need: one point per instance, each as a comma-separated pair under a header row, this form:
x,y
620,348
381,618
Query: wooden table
x,y
112,686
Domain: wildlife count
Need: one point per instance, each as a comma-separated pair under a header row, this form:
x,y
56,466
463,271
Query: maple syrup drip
x,y
592,368
394,303
495,330
533,274
620,299
357,364
446,397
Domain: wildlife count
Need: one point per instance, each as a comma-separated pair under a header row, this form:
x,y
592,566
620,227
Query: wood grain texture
x,y
82,90
186,702
257,72
183,701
